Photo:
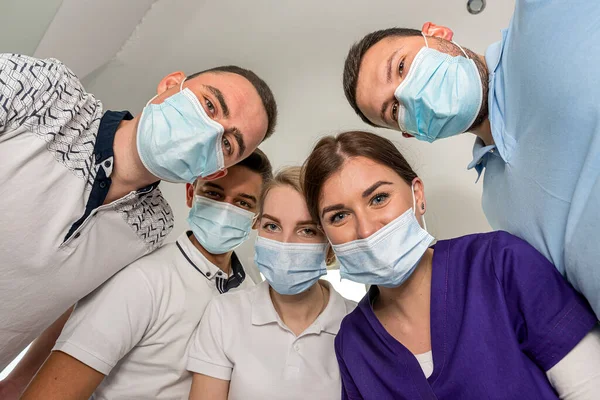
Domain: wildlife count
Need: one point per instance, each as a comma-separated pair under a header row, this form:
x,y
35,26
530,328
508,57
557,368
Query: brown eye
x,y
401,68
395,111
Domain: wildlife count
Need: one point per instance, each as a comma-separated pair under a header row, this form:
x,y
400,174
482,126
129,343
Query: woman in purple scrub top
x,y
482,316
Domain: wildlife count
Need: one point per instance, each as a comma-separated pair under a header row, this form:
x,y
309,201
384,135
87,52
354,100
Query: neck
x,y
222,261
129,173
411,300
299,311
484,131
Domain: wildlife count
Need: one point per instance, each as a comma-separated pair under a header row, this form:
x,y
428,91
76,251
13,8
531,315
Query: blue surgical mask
x,y
440,97
290,268
389,256
177,141
219,227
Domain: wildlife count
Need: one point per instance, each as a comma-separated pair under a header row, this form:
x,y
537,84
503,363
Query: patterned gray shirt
x,y
58,242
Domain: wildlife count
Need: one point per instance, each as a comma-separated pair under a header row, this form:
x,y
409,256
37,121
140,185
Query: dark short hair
x,y
354,59
264,92
258,162
331,152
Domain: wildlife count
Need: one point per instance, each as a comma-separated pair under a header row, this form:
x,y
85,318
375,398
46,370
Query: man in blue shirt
x,y
533,101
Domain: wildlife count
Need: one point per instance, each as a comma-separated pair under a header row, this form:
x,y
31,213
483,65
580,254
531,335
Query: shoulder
x,y
236,302
476,244
150,216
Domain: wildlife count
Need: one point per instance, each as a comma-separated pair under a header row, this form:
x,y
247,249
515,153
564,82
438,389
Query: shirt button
x,y
102,185
98,157
492,151
296,347
208,274
77,235
107,163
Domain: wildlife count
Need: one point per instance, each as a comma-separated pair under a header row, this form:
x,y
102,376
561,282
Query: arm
x,y
349,389
208,388
577,375
63,377
207,357
549,317
102,329
20,377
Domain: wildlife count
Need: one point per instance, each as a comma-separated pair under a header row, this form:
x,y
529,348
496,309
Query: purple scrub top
x,y
501,315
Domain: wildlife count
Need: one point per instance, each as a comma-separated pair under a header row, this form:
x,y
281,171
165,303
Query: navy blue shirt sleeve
x,y
549,317
349,389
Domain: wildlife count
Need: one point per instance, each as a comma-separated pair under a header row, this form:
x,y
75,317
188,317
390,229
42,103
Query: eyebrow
x,y
213,185
374,187
219,95
389,67
239,138
334,207
382,113
247,196
271,218
307,222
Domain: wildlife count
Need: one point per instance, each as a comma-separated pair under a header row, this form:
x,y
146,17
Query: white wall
x,y
299,47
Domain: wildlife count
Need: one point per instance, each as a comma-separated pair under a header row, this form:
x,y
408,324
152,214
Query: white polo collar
x,y
263,311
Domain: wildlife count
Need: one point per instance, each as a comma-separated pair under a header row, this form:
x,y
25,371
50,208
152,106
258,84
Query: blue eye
x,y
379,199
336,218
271,227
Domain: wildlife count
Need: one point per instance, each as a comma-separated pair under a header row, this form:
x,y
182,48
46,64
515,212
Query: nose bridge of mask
x,y
292,247
225,208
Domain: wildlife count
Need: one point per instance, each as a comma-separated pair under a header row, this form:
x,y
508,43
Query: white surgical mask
x,y
290,268
177,141
441,95
218,226
389,256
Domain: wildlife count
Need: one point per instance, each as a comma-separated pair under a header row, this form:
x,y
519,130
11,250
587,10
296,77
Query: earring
x,y
423,206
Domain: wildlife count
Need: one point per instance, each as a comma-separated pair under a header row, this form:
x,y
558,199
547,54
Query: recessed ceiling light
x,y
475,6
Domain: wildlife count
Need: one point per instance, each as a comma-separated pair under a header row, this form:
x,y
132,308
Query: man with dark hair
x,y
128,339
79,184
533,101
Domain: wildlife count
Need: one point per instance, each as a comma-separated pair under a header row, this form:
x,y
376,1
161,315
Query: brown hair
x,y
292,177
331,152
355,57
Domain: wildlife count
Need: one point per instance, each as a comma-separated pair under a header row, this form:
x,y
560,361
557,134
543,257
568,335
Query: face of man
x,y
387,63
232,101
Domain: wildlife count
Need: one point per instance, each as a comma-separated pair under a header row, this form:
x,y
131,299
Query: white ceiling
x,y
298,47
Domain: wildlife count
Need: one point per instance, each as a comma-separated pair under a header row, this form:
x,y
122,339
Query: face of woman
x,y
364,196
285,218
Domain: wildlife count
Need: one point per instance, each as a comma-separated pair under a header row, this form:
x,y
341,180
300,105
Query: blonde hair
x,y
292,177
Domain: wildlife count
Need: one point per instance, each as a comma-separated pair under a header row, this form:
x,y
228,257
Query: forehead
x,y
246,110
373,87
286,204
356,175
239,179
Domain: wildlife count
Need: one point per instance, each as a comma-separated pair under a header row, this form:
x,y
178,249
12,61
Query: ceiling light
x,y
475,6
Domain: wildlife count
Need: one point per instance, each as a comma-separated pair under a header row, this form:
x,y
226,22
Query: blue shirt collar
x,y
480,150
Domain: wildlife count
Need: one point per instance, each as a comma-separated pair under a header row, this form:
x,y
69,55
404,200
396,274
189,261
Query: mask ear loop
x,y
412,189
457,45
425,37
156,95
461,49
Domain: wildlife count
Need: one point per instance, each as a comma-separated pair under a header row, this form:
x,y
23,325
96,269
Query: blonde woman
x,y
275,341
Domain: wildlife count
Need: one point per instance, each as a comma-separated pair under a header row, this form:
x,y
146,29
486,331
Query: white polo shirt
x,y
57,241
242,339
135,328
